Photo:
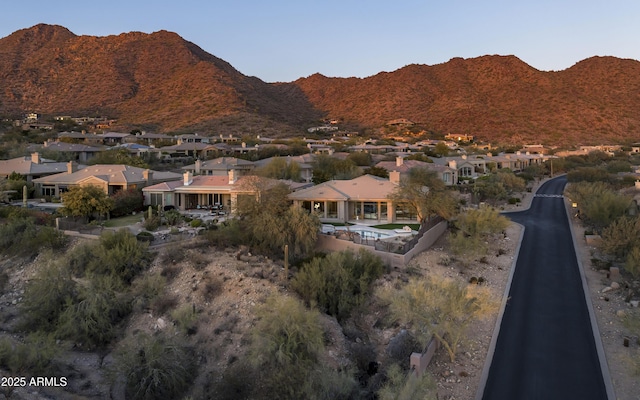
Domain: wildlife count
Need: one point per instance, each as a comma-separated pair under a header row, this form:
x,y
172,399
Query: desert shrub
x,y
21,236
228,234
163,303
185,318
328,384
172,217
213,287
145,236
286,343
338,282
146,289
33,357
92,320
155,367
439,307
120,255
46,296
196,223
403,385
621,237
632,263
598,204
151,224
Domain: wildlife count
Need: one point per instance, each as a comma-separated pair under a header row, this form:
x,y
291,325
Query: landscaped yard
x,y
123,221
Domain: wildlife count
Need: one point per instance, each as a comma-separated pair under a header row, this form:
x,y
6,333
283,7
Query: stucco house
x,y
111,178
219,192
31,167
363,199
220,166
447,174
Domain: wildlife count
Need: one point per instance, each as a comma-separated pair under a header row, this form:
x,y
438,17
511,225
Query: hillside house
x,y
31,167
363,199
110,177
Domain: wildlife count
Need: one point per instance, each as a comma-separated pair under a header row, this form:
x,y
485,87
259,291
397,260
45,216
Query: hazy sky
x,y
283,40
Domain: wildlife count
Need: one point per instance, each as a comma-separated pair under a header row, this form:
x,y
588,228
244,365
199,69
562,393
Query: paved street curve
x,y
546,348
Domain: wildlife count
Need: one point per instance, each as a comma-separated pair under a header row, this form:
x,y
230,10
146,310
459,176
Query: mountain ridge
x,y
162,82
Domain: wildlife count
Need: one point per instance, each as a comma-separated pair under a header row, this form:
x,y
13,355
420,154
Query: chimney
x,y
232,177
198,166
399,161
46,143
394,177
72,167
453,164
188,178
147,175
244,145
35,158
489,155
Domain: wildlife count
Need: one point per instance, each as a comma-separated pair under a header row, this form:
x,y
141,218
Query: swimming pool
x,y
367,231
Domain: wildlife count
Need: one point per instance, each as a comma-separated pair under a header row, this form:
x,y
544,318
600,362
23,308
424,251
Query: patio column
x,y
391,212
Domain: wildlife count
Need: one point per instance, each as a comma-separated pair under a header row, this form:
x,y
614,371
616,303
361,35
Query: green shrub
x,y
145,236
91,321
196,223
155,367
286,343
172,217
151,224
33,357
46,296
185,318
338,282
120,255
21,236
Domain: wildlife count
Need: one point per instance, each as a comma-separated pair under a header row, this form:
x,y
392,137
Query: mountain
x,y
160,81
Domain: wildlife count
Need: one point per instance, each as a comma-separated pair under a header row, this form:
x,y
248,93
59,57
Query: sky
x,y
283,40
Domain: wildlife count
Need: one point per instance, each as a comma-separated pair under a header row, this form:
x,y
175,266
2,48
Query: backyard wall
x,y
331,243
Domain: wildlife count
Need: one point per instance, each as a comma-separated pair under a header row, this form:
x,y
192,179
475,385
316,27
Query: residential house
x,y
475,165
110,177
447,174
76,151
152,138
31,167
220,166
182,149
192,138
114,138
364,199
459,137
208,192
304,163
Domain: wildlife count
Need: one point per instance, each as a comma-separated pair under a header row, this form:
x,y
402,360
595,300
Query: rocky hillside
x,y
160,81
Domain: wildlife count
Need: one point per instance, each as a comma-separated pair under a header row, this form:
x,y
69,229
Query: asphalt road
x,y
545,348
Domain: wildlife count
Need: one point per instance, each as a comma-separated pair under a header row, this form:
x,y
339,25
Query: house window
x,y
155,199
370,210
332,209
446,177
48,190
306,205
319,207
465,171
383,211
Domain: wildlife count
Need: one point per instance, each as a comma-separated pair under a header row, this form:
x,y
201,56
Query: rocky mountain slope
x,y
160,81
